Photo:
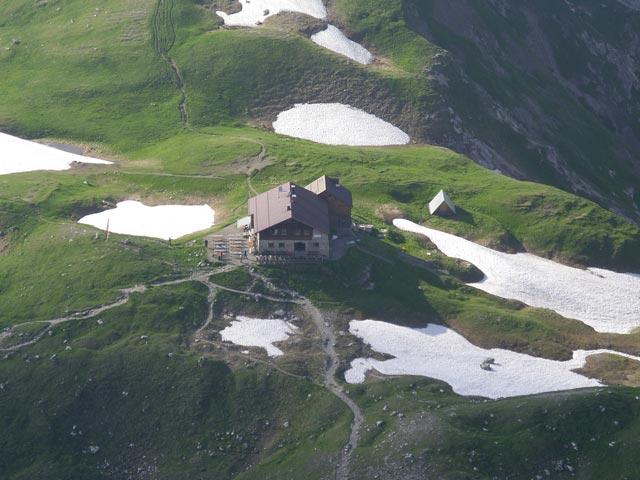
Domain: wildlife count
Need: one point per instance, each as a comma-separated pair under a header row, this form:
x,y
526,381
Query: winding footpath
x,y
332,362
323,325
83,315
328,340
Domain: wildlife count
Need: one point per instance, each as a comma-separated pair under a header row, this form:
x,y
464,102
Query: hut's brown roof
x,y
289,202
325,186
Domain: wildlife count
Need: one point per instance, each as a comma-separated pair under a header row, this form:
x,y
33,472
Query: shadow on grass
x,y
463,216
371,281
503,240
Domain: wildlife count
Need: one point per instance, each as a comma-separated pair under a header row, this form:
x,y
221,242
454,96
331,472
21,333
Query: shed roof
x,y
439,200
288,202
325,186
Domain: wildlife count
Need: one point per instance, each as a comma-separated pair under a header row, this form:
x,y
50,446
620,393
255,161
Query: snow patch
x,y
605,300
439,352
162,221
18,155
257,332
255,12
333,39
337,124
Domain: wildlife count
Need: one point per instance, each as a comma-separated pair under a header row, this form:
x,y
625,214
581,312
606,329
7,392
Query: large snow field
x,y
255,11
337,124
606,300
439,352
333,39
257,332
18,155
162,221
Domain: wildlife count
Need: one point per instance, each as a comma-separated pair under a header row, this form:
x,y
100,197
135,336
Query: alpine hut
x,y
290,220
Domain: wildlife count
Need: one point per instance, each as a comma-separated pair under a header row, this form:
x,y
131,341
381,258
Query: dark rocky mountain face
x,y
547,91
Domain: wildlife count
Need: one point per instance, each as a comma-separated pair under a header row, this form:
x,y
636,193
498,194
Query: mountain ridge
x,y
548,92
112,364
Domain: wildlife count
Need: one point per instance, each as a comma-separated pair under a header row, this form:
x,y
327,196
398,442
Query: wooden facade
x,y
292,238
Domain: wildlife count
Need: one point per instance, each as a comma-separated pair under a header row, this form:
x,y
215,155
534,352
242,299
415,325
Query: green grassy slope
x,y
60,88
496,210
52,265
222,82
130,387
110,85
590,434
84,72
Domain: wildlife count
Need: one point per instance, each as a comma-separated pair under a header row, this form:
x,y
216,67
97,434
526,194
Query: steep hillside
x,y
546,91
557,105
112,361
